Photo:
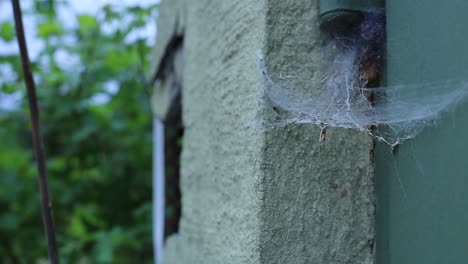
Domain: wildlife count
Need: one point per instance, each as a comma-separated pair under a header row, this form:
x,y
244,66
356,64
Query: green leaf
x,y
8,88
87,23
7,31
117,60
104,247
77,228
48,29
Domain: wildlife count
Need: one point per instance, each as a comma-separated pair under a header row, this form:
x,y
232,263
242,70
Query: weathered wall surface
x,y
220,201
251,196
318,204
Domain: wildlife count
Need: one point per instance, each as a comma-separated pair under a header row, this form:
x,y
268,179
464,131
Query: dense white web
x,y
404,109
390,114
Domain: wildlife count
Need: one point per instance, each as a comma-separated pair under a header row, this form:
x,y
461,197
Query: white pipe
x,y
158,190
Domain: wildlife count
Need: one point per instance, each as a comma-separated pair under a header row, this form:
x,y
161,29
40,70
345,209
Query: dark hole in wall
x,y
366,33
174,132
171,72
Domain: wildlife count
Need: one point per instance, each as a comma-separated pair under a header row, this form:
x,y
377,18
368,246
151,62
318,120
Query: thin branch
x,y
36,135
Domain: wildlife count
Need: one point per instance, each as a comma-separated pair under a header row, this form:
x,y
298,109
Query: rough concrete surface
x,y
171,23
220,201
167,57
318,204
253,196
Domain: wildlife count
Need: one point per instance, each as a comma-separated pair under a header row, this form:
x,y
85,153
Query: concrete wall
x,y
253,196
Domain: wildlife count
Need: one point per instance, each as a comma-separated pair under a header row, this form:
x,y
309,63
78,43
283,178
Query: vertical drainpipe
x,y
158,189
166,104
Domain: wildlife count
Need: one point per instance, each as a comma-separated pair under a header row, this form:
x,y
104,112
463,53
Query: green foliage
x,y
48,29
7,31
96,124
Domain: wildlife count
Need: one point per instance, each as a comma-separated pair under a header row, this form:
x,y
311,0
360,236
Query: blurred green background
x,y
96,125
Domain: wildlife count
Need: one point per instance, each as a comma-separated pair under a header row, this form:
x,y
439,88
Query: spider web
x,y
391,114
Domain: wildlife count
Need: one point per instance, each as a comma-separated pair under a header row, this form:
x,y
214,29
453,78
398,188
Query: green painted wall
x,y
422,189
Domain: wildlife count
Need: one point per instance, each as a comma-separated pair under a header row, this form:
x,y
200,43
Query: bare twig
x,y
36,135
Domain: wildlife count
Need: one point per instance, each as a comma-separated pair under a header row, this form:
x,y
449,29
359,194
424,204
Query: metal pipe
x,y
158,190
338,13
